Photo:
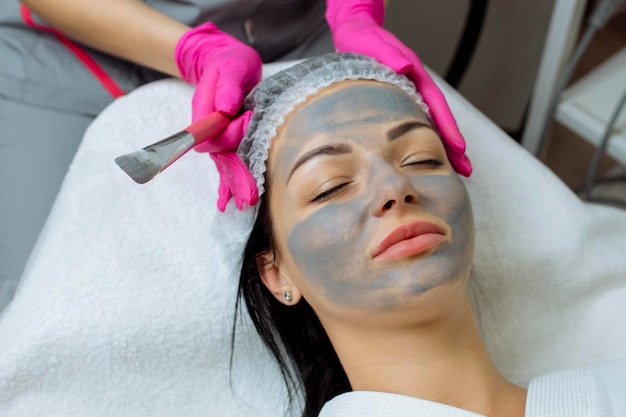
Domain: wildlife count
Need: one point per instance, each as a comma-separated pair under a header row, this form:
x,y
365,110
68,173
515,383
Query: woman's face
x,y
368,213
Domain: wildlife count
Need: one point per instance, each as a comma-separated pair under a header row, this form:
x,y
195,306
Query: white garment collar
x,y
380,404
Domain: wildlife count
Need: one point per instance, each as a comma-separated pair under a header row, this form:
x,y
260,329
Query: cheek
x,y
446,197
326,245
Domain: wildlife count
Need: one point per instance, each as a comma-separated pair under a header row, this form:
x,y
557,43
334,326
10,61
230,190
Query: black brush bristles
x,y
139,165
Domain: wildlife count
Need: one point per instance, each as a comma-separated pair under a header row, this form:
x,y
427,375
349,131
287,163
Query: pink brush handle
x,y
208,126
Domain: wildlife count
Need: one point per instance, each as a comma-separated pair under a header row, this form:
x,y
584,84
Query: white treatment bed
x,y
126,308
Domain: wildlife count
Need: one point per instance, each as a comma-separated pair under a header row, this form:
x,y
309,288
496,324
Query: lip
x,y
409,239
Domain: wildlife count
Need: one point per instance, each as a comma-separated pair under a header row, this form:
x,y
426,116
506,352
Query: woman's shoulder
x,y
596,390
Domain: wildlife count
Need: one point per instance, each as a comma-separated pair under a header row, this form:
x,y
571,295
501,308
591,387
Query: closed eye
x,y
329,193
431,162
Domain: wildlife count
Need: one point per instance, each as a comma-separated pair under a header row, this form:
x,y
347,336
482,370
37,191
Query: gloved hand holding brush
x,y
224,70
356,26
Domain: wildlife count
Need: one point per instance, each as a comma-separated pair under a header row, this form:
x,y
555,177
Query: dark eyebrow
x,y
338,149
396,132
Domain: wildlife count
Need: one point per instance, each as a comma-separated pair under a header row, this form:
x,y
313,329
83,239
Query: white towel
x,y
127,306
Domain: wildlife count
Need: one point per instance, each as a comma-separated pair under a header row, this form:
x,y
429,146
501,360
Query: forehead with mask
x,y
367,212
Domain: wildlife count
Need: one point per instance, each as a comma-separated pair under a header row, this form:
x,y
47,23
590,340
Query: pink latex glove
x,y
356,26
224,70
236,181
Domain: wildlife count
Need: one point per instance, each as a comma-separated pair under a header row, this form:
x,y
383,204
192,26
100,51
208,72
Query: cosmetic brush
x,y
146,163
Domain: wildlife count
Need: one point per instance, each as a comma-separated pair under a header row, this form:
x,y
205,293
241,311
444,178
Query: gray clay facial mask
x,y
330,244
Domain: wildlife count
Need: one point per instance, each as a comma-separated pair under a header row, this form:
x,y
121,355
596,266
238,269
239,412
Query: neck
x,y
442,360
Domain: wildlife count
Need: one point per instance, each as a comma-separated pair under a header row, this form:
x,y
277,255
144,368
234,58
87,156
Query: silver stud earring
x,y
288,296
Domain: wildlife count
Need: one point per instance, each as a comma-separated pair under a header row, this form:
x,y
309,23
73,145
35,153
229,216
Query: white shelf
x,y
588,105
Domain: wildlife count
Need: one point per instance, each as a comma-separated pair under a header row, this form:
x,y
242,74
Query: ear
x,y
276,281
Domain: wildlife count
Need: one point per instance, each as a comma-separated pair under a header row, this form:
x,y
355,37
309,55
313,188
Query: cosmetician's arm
x,y
128,29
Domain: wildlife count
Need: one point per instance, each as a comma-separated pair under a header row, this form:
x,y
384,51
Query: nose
x,y
391,190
